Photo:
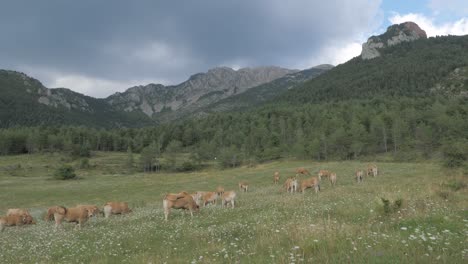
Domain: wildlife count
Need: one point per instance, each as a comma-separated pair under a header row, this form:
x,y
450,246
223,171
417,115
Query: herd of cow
x,y
183,200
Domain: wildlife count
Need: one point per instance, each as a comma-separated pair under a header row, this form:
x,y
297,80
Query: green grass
x,y
342,224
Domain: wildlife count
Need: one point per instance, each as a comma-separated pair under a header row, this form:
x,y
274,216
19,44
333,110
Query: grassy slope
x,y
344,224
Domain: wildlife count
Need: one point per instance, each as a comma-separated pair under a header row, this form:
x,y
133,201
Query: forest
x,y
401,105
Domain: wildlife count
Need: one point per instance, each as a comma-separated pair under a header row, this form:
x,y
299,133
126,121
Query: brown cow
x,y
243,186
116,208
359,175
302,171
372,170
228,197
310,183
77,215
209,198
220,190
323,173
276,177
92,209
197,197
332,179
12,220
22,212
185,202
291,184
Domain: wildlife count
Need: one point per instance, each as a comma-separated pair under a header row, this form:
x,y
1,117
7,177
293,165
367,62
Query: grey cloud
x,y
124,41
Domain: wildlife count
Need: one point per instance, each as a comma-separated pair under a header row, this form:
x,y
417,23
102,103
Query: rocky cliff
x,y
395,34
199,90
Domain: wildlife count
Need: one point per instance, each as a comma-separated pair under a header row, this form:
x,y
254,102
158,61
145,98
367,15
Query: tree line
x,y
405,128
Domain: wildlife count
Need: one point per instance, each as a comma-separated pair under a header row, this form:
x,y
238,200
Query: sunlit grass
x,y
268,225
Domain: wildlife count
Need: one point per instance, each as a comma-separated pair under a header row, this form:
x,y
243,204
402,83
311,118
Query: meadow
x,y
344,224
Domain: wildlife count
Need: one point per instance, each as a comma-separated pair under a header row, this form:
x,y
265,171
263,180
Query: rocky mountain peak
x,y
395,34
199,90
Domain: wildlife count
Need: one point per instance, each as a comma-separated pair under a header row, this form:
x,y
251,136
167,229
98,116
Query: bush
x,y
65,172
389,207
455,154
84,163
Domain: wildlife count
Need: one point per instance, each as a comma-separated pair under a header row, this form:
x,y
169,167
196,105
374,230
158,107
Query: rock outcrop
x,y
395,34
199,90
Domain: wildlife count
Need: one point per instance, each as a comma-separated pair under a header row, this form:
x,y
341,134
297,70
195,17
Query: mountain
x,y
202,89
260,94
24,101
410,69
395,34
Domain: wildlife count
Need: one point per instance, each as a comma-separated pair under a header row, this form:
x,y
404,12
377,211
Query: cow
x,y
276,177
111,208
28,219
302,171
228,197
290,184
197,197
78,215
12,220
372,170
209,198
92,209
323,173
183,201
220,190
359,175
332,179
310,183
243,186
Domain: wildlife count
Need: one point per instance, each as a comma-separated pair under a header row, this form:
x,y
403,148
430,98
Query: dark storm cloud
x,y
104,43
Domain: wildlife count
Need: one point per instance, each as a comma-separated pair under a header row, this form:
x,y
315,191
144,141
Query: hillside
x,y
265,92
171,102
409,69
24,101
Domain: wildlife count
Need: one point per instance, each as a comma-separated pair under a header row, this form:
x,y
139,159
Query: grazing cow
x,y
276,177
243,186
209,198
228,197
28,219
332,179
197,197
372,170
359,175
323,173
220,190
77,215
310,183
116,208
291,184
92,209
12,220
302,171
183,201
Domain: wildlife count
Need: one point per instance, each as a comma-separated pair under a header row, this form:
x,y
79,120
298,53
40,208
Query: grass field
x,y
345,224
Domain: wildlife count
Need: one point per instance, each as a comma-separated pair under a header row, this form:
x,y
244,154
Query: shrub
x,y
65,172
455,154
84,163
389,207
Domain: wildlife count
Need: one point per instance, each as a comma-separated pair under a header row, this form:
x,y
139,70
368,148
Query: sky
x,y
101,47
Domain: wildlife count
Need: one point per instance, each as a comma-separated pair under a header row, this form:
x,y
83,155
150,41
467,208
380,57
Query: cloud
x,y
458,27
459,7
334,54
93,46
